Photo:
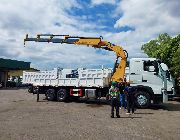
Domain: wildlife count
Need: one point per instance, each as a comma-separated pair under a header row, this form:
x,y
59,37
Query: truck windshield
x,y
151,66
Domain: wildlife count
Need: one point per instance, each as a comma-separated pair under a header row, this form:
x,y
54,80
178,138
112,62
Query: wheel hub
x,y
142,100
61,95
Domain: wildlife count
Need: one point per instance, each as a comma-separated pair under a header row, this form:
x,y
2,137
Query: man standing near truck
x,y
115,96
129,91
121,87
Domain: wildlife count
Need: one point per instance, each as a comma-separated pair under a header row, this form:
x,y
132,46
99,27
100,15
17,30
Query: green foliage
x,y
167,49
176,63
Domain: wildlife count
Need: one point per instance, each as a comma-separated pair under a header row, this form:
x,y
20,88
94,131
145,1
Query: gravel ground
x,y
22,118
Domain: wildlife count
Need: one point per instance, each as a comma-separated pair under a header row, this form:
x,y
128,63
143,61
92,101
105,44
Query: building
x,y
19,73
7,65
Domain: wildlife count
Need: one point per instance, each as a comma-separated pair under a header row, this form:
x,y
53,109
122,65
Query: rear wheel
x,y
50,94
142,99
30,89
62,95
35,90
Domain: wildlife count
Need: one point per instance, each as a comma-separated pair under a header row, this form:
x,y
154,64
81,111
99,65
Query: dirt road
x,y
22,118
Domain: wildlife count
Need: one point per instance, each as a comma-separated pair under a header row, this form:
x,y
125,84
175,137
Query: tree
x,y
167,49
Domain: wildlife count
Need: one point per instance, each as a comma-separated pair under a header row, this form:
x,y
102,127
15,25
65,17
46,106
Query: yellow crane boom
x,y
95,42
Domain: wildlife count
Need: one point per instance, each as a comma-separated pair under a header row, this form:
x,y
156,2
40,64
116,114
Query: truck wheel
x,y
62,95
34,90
142,99
50,94
30,89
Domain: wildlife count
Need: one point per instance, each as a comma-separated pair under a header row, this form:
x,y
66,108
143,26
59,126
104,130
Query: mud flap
x,y
165,95
164,91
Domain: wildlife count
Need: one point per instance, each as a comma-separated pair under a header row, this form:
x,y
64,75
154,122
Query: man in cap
x,y
114,94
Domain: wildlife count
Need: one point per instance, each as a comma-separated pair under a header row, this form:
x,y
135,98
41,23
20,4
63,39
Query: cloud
x,y
98,2
21,17
147,18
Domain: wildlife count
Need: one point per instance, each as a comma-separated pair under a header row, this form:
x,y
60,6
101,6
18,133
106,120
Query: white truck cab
x,y
152,80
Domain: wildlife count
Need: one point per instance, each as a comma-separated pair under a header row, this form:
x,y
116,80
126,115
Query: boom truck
x,y
150,77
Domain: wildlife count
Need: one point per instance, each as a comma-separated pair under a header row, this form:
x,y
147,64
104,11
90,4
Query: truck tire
x,y
50,94
34,90
62,95
30,89
142,99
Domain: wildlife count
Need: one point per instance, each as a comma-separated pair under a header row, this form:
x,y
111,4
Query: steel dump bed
x,y
69,77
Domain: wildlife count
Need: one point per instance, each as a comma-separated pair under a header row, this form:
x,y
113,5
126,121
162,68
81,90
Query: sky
x,y
127,23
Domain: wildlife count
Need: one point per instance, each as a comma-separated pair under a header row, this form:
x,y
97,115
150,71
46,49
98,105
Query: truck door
x,y
135,72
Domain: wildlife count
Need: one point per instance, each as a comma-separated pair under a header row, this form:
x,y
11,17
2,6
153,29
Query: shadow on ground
x,y
174,106
131,117
92,102
144,113
13,88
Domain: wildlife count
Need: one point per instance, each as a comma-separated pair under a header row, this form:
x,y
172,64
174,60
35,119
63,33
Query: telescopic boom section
x,y
119,69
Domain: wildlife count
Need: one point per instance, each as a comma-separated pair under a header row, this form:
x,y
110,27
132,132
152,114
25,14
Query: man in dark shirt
x,y
129,91
121,87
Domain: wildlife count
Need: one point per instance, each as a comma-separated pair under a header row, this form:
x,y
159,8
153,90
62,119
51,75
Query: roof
x,y
8,64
